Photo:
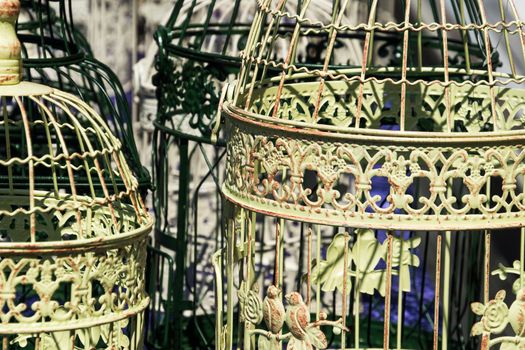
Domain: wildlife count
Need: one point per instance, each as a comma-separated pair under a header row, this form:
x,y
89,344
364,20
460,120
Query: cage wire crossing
x,y
412,167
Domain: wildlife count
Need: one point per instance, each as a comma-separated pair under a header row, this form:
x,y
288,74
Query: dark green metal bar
x,y
182,225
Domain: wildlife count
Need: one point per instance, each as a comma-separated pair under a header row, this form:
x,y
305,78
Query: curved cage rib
x,y
73,227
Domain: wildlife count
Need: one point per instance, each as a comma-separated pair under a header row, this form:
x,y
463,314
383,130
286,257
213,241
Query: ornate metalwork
x,y
407,164
72,260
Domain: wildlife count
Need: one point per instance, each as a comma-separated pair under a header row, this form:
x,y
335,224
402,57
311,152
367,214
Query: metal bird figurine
x,y
273,310
517,314
297,315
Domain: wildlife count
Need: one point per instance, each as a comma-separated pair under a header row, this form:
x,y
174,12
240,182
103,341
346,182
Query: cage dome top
x,y
50,134
445,75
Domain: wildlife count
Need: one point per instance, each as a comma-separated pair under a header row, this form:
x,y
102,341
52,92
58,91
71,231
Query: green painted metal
x,y
392,166
72,262
56,54
197,53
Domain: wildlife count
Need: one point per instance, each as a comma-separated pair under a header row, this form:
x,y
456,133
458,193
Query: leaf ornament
x,y
329,273
367,252
402,258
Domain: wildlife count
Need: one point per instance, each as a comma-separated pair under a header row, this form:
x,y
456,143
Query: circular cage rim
x,y
82,245
389,222
57,326
265,124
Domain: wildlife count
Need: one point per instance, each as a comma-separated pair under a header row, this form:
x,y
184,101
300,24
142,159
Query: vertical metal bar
x,y
309,262
419,38
507,40
229,279
27,132
345,296
249,48
329,52
488,53
388,293
371,20
288,59
217,263
446,291
486,274
277,262
464,35
182,223
402,110
399,331
522,256
437,291
318,286
520,30
445,64
270,28
8,143
357,301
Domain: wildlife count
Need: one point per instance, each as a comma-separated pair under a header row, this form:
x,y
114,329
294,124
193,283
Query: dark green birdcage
x,y
198,50
57,54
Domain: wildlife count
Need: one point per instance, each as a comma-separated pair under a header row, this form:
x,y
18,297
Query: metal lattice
x,y
410,167
72,256
56,54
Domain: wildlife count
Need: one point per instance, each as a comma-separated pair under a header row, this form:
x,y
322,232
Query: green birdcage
x,y
57,54
403,178
199,50
72,261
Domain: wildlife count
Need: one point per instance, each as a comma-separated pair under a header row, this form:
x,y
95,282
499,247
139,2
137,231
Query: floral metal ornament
x,y
496,316
72,258
366,254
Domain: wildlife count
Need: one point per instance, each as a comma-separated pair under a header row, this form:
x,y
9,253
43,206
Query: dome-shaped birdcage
x,y
198,51
412,166
72,255
57,54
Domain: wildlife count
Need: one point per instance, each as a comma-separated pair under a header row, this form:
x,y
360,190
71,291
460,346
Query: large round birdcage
x,y
72,256
412,168
57,54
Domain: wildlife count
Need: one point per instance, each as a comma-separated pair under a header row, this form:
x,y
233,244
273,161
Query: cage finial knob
x,y
10,48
